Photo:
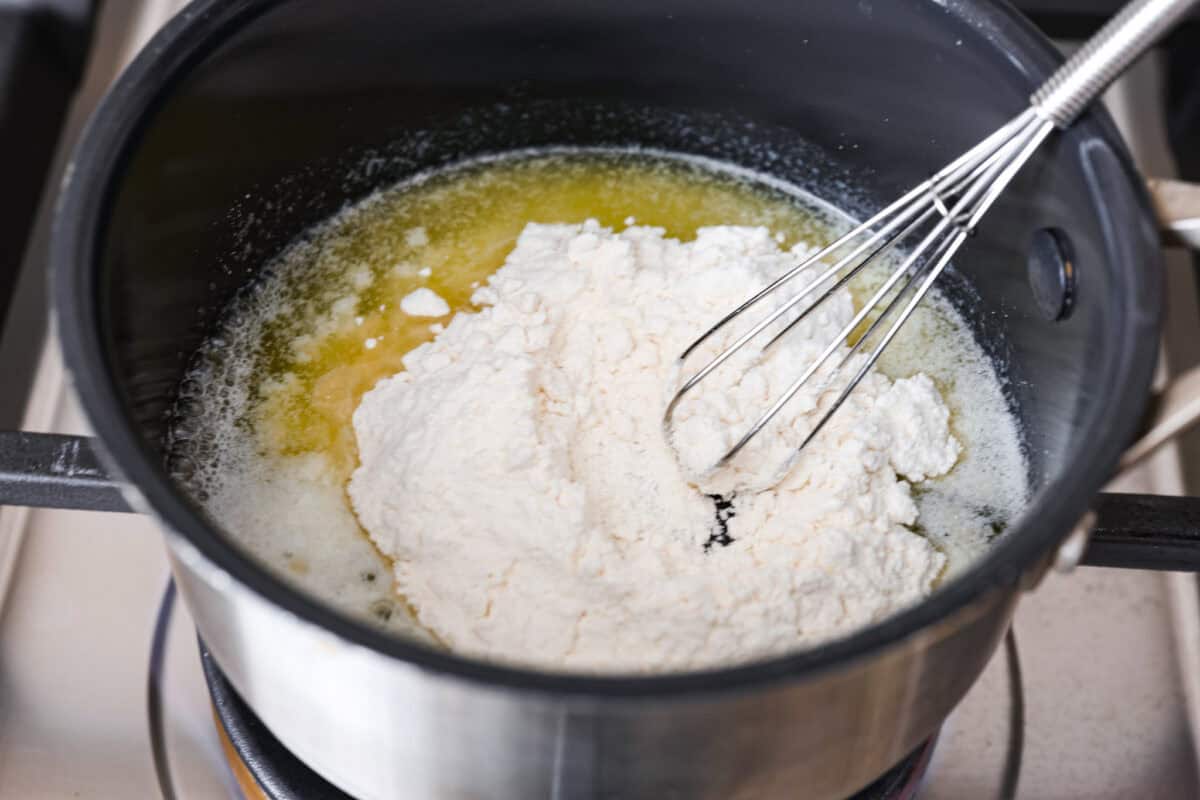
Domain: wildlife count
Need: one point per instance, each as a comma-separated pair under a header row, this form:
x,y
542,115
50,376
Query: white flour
x,y
518,474
424,303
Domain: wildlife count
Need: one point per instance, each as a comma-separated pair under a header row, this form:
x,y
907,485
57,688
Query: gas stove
x,y
105,690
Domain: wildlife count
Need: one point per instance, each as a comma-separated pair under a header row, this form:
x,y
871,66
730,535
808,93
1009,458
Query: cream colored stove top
x,y
1109,659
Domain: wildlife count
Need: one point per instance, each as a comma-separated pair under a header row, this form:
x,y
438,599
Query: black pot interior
x,y
309,105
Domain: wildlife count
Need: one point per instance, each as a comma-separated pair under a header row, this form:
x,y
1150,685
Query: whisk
x,y
947,206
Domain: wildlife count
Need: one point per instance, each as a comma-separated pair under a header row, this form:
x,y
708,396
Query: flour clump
x,y
424,303
517,473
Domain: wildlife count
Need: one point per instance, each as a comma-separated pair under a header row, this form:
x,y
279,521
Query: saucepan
x,y
244,122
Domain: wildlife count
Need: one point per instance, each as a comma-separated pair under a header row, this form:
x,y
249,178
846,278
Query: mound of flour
x,y
517,471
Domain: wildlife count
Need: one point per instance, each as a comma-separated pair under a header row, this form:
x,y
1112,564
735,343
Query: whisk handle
x,y
1105,56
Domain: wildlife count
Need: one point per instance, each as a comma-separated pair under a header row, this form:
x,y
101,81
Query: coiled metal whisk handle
x,y
1086,74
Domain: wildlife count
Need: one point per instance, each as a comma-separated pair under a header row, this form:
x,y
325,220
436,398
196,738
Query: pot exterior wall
x,y
380,728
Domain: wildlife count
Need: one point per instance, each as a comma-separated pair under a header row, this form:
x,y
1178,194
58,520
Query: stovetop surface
x,y
1095,697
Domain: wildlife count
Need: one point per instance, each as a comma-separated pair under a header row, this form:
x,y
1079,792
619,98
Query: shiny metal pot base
x,y
280,775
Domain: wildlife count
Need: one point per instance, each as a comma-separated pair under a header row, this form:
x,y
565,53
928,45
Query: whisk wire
x,y
905,209
939,261
953,171
968,179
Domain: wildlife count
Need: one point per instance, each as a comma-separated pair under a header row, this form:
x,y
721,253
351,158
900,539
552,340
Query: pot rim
x,y
81,211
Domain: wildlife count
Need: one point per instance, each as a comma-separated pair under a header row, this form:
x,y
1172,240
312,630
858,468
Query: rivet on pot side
x,y
1052,273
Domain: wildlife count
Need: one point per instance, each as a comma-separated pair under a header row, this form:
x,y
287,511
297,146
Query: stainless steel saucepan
x,y
244,122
